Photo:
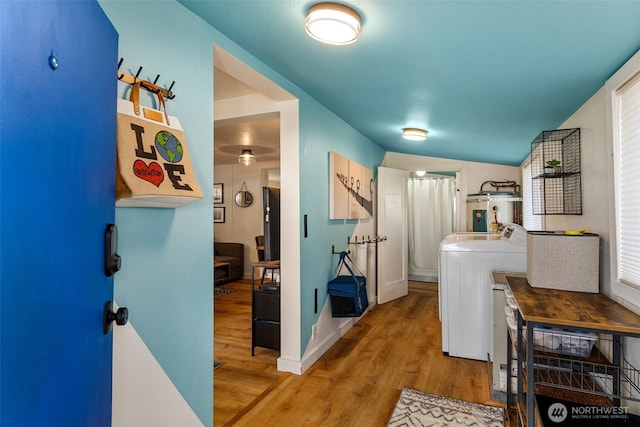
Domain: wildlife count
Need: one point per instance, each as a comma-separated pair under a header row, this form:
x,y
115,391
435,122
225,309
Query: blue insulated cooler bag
x,y
348,294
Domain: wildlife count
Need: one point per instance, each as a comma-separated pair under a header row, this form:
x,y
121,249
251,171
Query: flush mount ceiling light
x,y
246,158
414,134
333,23
421,173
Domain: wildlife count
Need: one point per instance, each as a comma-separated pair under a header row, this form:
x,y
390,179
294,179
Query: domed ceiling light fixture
x,y
246,158
333,23
414,134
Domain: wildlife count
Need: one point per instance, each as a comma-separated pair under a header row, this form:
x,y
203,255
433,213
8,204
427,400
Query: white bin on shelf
x,y
564,341
510,313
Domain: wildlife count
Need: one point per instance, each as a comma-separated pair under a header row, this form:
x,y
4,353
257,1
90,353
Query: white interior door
x,y
393,259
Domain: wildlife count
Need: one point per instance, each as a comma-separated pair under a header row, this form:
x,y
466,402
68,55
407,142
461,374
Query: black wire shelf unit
x,y
555,173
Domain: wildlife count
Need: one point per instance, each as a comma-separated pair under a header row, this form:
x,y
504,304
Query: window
x,y
529,220
626,129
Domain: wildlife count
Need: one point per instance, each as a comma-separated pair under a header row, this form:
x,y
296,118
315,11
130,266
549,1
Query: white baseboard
x,y
314,353
330,330
423,274
287,365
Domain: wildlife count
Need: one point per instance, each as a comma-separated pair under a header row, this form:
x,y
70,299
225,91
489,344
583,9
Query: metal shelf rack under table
x,y
595,379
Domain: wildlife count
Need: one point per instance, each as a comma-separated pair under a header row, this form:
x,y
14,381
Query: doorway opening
x,y
432,212
252,112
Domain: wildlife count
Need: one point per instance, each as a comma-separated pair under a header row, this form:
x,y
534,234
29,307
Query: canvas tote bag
x,y
153,163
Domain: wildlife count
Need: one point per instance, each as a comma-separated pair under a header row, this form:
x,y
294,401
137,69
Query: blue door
x,y
58,62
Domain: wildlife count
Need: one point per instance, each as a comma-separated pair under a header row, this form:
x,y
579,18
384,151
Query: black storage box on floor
x,y
267,334
347,294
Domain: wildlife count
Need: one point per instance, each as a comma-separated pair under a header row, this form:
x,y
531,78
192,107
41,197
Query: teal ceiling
x,y
483,77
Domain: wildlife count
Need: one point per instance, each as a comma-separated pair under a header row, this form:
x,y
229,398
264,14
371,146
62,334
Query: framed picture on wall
x,y
218,214
217,193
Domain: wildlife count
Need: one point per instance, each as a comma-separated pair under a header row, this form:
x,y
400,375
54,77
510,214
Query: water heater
x,y
487,211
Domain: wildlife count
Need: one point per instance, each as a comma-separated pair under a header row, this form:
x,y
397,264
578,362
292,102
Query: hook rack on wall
x,y
333,250
152,87
376,240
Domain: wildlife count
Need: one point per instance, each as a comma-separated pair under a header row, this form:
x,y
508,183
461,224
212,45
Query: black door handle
x,y
112,261
120,317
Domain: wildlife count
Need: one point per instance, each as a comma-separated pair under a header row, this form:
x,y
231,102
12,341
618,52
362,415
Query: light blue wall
x,y
166,280
166,277
322,132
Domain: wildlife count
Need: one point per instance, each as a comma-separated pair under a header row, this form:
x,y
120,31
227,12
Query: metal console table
x,y
606,380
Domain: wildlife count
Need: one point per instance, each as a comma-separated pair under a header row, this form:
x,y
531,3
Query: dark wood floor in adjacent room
x,y
356,383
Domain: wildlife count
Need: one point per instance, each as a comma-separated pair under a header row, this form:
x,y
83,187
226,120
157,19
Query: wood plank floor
x,y
356,383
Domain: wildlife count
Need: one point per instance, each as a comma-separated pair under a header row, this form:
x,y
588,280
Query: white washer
x,y
465,287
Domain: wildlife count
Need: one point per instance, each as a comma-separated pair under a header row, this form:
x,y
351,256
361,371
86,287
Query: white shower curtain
x,y
431,204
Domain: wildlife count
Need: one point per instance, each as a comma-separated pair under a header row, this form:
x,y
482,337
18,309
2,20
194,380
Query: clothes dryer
x,y
466,261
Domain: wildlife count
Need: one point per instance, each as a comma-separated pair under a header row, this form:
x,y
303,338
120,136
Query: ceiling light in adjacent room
x,y
414,134
247,158
333,23
421,173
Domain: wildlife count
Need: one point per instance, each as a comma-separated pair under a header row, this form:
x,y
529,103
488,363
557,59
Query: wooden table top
x,y
220,264
273,264
573,309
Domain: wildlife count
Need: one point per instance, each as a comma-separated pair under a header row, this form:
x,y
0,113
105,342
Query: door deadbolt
x,y
120,317
112,261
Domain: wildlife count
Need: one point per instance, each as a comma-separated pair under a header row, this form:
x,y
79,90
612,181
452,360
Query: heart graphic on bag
x,y
152,173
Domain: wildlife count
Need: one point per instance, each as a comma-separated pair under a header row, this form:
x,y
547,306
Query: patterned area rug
x,y
219,291
415,408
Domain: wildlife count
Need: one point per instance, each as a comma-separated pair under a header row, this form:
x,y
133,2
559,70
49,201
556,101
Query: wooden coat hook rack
x,y
152,87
